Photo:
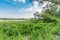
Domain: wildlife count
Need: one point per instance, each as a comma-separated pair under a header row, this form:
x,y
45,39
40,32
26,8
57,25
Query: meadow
x,y
29,30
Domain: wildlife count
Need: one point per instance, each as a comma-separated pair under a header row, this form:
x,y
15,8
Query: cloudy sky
x,y
17,9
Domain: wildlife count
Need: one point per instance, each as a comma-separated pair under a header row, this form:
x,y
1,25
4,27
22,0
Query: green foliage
x,y
35,31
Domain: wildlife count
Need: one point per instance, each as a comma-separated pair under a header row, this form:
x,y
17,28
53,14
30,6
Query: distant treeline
x,y
13,19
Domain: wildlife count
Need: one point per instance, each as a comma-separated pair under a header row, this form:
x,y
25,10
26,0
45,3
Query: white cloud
x,y
29,12
35,3
23,1
26,12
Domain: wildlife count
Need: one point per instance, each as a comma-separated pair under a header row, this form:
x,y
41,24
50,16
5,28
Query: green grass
x,y
20,30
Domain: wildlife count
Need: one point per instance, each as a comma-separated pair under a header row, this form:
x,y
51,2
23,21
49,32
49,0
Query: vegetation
x,y
47,28
40,30
13,19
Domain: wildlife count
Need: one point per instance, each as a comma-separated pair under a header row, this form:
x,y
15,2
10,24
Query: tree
x,y
51,13
38,15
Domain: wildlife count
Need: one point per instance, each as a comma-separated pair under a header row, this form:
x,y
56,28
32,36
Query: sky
x,y
18,8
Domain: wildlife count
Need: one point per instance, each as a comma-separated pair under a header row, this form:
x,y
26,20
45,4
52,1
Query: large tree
x,y
51,13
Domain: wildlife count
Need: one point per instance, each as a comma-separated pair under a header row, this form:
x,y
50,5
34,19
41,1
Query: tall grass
x,y
39,30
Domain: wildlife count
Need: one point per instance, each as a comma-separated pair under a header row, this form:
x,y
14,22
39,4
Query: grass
x,y
28,30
